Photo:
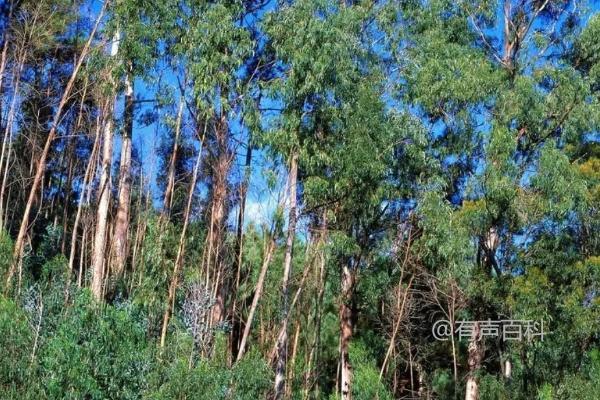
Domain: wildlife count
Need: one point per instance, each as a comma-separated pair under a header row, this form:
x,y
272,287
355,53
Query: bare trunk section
x,y
346,315
41,167
474,361
282,342
122,223
507,370
180,247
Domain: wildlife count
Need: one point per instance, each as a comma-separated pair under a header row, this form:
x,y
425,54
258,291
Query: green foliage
x,y
154,271
442,383
212,379
16,342
366,375
95,353
445,243
492,388
558,182
6,246
215,46
433,147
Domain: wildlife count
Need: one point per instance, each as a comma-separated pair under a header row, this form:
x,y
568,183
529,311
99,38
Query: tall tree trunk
x,y
282,343
346,315
100,235
41,167
474,361
220,172
98,255
122,223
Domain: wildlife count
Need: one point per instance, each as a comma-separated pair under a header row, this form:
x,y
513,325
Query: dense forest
x,y
300,199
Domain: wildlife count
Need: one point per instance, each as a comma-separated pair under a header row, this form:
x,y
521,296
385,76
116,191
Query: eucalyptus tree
x,y
501,106
217,49
142,29
335,126
137,30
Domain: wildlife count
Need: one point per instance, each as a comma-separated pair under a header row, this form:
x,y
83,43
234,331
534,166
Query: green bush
x,y
205,379
16,344
96,353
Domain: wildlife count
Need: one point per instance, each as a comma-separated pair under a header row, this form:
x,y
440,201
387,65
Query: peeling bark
x,y
346,315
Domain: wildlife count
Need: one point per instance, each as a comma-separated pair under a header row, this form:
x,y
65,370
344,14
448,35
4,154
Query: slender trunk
x,y
59,189
41,167
68,187
122,222
38,329
474,361
346,313
421,379
139,231
5,215
239,249
282,342
400,313
269,248
180,247
168,199
84,240
290,379
284,323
